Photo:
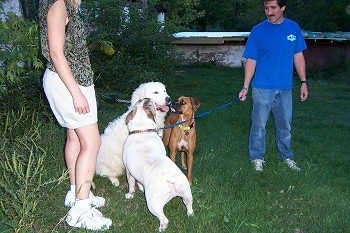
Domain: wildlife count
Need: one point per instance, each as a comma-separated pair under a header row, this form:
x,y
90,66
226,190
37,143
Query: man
x,y
273,47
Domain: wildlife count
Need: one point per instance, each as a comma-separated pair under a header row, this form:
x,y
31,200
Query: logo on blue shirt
x,y
291,37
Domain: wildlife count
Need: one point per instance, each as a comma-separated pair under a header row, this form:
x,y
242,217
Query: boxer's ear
x,y
195,104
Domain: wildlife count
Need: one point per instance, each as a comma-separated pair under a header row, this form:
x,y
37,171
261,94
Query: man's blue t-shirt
x,y
273,46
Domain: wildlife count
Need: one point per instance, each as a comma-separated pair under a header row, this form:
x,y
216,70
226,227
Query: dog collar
x,y
185,128
142,131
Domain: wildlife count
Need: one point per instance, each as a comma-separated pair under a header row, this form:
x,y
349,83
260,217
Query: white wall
x,y
227,55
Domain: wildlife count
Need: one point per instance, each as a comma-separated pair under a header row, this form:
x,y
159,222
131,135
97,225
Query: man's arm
x,y
299,62
249,71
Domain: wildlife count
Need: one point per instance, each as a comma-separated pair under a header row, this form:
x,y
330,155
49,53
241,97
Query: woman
x,y
68,85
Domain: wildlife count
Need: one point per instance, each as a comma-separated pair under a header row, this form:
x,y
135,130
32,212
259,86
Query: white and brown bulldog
x,y
182,138
146,162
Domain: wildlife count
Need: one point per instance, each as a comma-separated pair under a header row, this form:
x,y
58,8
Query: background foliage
x,y
19,50
135,47
242,15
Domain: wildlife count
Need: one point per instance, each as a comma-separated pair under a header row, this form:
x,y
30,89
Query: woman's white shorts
x,y
61,102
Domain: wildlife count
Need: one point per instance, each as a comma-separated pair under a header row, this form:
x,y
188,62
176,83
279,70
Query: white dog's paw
x,y
163,226
190,213
162,229
114,180
129,196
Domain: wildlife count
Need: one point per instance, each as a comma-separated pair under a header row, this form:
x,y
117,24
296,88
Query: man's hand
x,y
304,93
243,94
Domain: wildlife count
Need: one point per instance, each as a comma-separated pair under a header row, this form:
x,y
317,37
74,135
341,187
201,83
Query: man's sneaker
x,y
292,165
258,164
90,220
95,201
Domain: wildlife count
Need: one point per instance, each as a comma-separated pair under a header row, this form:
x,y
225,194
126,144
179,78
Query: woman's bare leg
x,y
71,151
81,152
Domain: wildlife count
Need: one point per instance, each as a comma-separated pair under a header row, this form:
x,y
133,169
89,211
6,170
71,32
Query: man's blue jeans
x,y
279,102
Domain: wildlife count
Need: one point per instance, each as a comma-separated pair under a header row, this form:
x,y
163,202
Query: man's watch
x,y
301,82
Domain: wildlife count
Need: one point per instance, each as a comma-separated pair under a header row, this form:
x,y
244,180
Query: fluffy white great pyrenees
x,y
110,157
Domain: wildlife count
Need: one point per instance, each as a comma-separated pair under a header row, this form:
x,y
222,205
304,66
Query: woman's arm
x,y
57,19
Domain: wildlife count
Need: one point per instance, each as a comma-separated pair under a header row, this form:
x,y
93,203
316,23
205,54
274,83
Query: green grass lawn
x,y
229,196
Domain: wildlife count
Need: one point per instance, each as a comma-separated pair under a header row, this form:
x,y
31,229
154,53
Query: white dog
x,y
110,158
147,163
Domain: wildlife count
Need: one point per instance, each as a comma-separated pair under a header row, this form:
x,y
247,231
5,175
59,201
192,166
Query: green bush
x,y
19,44
143,48
21,66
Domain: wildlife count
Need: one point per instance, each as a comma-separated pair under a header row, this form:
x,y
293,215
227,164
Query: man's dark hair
x,y
280,3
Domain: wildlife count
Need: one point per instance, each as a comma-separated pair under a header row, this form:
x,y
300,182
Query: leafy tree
x,y
180,13
233,15
139,47
321,15
241,15
143,46
221,16
19,50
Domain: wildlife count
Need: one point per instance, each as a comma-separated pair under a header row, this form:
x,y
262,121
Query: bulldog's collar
x,y
142,131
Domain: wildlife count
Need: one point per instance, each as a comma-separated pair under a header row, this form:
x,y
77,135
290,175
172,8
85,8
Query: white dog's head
x,y
142,116
156,91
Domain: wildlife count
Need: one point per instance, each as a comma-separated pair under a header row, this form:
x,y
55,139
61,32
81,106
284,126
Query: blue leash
x,y
205,113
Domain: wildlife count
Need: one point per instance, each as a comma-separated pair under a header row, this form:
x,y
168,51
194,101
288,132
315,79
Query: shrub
x,y
19,45
144,50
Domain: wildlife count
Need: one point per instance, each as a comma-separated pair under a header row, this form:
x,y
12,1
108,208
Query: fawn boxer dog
x,y
146,162
182,138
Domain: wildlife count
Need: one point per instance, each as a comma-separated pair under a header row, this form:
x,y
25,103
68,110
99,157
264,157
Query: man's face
x,y
273,12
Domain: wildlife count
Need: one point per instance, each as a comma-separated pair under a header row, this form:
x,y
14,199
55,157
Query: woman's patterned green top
x,y
75,49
